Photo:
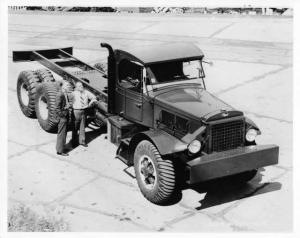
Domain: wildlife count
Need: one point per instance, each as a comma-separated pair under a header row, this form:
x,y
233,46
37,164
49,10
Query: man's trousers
x,y
61,135
79,124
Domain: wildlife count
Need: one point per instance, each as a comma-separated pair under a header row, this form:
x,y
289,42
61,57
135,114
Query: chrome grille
x,y
227,135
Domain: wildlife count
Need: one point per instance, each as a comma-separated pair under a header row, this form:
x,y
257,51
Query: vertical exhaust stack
x,y
111,77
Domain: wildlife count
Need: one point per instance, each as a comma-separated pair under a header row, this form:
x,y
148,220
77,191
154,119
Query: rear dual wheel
x,y
101,66
36,91
26,92
27,84
45,106
45,75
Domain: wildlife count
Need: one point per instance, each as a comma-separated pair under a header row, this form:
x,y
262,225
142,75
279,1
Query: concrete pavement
x,y
252,71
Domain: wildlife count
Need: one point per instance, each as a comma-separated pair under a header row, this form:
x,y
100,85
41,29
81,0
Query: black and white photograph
x,y
140,118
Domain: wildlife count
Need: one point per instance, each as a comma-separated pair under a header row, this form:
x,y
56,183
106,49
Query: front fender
x,y
164,142
251,124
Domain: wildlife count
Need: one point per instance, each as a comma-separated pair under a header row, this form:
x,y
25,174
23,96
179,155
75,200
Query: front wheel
x,y
155,176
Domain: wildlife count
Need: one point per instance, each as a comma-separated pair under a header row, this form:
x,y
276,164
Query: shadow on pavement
x,y
175,199
227,190
219,191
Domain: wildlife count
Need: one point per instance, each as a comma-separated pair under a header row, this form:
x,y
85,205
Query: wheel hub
x,y
43,107
147,172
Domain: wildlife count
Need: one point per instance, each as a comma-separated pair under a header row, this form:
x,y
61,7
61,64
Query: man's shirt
x,y
81,100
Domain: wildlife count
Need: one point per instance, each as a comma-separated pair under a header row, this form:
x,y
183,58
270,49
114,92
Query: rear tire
x,y
26,91
101,67
45,106
45,75
156,177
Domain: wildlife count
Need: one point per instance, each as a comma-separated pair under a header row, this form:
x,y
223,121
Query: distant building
x,y
128,9
146,9
163,10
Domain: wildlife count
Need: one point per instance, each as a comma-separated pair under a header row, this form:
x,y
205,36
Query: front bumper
x,y
231,162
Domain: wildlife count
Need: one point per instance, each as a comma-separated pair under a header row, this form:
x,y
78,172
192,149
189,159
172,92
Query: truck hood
x,y
194,101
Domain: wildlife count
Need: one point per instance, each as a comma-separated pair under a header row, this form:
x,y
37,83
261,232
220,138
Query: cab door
x,y
129,93
120,99
134,105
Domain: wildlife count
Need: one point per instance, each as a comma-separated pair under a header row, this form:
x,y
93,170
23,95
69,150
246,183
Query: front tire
x,y
45,106
155,176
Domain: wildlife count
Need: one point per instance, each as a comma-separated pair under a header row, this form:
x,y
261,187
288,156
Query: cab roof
x,y
154,54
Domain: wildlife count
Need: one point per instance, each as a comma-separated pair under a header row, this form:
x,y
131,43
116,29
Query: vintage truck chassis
x,y
153,130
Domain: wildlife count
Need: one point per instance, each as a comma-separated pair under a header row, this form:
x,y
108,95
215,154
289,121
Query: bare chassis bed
x,y
60,61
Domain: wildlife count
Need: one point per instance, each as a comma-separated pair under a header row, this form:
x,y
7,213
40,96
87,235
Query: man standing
x,y
82,101
63,107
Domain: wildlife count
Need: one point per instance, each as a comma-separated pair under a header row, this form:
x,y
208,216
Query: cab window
x,y
130,75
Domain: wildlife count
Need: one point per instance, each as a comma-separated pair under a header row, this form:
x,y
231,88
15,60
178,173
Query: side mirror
x,y
210,63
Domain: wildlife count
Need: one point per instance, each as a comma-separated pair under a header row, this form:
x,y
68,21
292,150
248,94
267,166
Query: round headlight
x,y
194,146
251,135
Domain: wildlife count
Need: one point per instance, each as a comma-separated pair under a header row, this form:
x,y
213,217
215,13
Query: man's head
x,y
79,87
65,87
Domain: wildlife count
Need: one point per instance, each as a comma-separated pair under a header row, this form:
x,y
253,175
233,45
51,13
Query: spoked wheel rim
x,y
147,172
24,92
43,108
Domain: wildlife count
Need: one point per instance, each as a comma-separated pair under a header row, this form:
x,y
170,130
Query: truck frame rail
x,y
62,62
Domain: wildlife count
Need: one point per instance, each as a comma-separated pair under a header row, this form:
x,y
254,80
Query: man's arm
x,y
70,99
91,98
58,104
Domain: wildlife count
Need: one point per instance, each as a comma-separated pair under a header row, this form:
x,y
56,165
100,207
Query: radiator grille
x,y
228,135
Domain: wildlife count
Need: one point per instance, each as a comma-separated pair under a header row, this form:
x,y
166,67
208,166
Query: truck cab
x,y
140,76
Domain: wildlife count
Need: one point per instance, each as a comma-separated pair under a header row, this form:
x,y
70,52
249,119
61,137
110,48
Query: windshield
x,y
175,72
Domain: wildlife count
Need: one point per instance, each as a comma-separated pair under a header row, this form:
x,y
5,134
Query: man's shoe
x,y
63,154
84,145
